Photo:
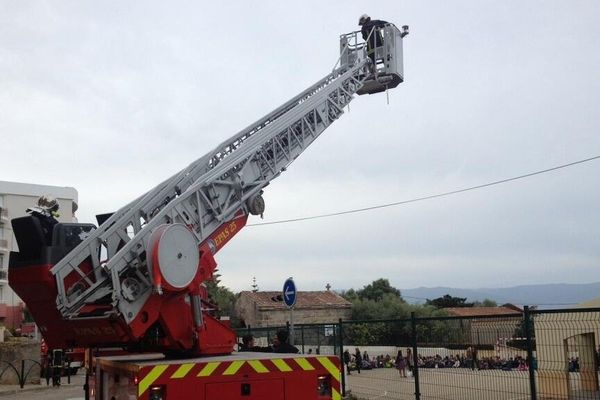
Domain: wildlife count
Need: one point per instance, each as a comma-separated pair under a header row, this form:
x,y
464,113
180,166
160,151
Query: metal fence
x,y
538,354
308,338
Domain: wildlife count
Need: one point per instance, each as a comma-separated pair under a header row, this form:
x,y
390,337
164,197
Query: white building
x,y
15,198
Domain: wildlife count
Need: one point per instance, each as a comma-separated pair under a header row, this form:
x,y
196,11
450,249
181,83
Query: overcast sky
x,y
112,97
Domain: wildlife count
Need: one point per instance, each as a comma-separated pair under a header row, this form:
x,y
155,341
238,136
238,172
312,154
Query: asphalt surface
x,y
72,391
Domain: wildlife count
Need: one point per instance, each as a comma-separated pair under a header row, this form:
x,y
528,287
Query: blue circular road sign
x,y
289,292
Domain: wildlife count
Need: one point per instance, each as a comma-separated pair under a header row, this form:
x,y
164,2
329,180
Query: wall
x,y
551,331
253,316
489,331
11,316
13,351
301,316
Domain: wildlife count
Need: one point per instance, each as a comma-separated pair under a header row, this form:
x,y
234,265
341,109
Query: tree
x,y
377,290
447,301
485,303
222,297
350,295
388,307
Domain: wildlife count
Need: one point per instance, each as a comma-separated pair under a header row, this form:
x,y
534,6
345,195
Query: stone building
x,y
562,338
488,325
258,309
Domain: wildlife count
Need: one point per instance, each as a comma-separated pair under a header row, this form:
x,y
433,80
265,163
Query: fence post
x,y
22,375
341,334
531,364
47,372
413,323
318,351
302,336
68,372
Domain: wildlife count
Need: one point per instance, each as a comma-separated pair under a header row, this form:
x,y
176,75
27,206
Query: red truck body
x,y
239,376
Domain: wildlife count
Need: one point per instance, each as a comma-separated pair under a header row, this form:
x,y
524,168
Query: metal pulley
x,y
173,258
256,205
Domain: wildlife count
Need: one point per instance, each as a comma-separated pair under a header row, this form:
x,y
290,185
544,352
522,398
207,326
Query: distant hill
x,y
558,295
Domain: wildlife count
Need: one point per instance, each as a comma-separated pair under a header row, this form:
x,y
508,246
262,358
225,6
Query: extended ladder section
x,y
110,268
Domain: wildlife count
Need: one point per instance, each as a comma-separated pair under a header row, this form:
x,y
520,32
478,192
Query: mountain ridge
x,y
552,295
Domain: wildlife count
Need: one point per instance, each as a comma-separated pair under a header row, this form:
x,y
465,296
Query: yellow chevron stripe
x,y
329,366
304,364
336,395
233,368
209,368
149,379
258,366
282,365
182,371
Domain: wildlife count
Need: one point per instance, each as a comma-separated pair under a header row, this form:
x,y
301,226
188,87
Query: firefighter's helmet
x,y
48,203
363,19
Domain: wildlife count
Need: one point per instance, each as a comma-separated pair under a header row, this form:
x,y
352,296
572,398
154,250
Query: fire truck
x,y
136,282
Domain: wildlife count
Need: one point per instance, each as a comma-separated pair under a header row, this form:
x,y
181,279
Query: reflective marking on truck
x,y
162,374
258,366
304,364
282,365
149,379
233,368
336,395
329,366
182,371
335,374
209,368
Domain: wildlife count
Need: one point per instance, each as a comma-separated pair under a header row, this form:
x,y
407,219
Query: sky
x,y
113,97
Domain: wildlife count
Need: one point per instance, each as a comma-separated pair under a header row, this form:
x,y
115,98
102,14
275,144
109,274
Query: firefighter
x,y
248,345
283,345
46,211
375,39
56,365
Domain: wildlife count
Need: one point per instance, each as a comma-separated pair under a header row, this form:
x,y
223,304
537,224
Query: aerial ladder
x,y
136,281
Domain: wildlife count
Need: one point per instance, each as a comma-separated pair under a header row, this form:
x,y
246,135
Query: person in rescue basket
x,y
284,345
375,39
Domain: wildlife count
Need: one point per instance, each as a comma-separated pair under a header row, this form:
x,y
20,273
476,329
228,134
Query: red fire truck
x,y
237,376
137,282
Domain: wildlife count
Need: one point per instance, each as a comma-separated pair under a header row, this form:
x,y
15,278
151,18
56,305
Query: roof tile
x,y
480,311
309,300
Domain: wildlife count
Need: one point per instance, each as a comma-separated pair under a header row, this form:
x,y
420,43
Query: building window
x,y
1,261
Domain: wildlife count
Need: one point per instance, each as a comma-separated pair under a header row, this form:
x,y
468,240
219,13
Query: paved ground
x,y
384,384
447,384
72,391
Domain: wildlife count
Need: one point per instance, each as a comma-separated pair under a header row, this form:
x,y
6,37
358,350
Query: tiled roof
x,y
324,299
589,304
481,311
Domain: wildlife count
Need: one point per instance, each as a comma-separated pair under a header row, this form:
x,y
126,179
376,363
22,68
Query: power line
x,y
434,196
